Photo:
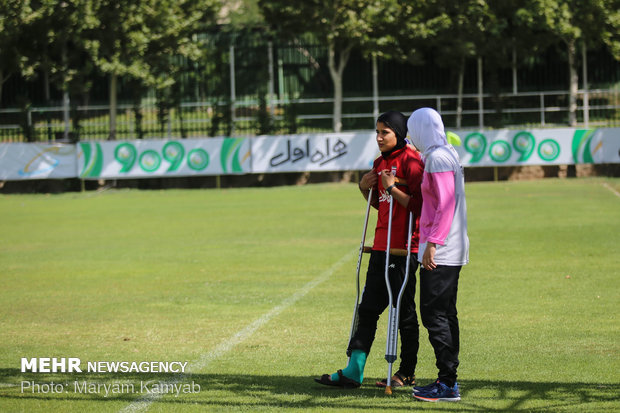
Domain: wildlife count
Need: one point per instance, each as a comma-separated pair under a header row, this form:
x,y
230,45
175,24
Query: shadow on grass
x,y
295,392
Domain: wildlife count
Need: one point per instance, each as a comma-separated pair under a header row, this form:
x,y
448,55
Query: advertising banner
x,y
314,152
36,161
163,158
292,153
539,147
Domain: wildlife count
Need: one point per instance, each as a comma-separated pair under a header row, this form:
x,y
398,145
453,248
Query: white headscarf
x,y
426,130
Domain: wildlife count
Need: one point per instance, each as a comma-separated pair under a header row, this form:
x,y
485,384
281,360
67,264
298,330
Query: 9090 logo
x,y
500,151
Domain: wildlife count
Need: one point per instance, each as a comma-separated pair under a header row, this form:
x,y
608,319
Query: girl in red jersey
x,y
404,187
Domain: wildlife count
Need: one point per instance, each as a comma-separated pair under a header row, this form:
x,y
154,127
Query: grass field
x,y
254,288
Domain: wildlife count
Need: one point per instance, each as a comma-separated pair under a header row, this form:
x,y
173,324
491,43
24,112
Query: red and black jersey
x,y
409,171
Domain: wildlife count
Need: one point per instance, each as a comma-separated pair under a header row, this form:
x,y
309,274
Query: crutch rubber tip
x,y
388,390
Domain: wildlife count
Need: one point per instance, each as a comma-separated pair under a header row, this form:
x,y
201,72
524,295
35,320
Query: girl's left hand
x,y
428,259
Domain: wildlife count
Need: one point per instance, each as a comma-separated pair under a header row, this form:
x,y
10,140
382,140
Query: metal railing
x,y
243,117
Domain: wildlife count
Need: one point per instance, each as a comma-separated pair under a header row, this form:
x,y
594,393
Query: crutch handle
x,y
393,251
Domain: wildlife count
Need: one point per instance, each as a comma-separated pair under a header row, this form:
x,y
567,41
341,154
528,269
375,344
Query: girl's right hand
x,y
369,180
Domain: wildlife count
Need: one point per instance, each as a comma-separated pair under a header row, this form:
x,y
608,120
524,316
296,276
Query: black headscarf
x,y
398,123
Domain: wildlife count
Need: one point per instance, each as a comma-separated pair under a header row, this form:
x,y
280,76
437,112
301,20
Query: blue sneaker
x,y
438,392
417,389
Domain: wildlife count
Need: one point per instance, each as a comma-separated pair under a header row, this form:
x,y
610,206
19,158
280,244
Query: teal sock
x,y
355,369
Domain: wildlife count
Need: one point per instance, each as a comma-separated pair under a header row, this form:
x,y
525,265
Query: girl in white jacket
x,y
444,248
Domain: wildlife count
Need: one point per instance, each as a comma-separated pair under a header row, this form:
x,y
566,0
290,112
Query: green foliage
x,y
161,46
13,13
150,42
590,21
69,40
341,25
344,24
54,39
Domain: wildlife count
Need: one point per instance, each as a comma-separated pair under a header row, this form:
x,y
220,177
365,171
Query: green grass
x,y
255,289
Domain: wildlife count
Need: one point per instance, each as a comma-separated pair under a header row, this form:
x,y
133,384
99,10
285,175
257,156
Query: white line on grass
x,y
606,185
225,346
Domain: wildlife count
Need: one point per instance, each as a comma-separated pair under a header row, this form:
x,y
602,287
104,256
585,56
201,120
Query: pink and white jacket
x,y
444,211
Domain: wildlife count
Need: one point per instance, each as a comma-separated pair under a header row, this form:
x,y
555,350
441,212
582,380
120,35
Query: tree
x,y
518,26
341,25
580,22
176,24
512,37
14,13
118,48
52,42
147,40
452,31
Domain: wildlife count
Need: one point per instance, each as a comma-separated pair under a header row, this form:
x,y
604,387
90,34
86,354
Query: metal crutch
x,y
394,315
394,312
354,322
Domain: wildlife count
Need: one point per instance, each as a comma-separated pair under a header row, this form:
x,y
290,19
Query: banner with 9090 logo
x,y
561,146
146,159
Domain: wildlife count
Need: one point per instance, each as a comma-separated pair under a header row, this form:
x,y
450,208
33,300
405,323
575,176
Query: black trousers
x,y
438,290
375,300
